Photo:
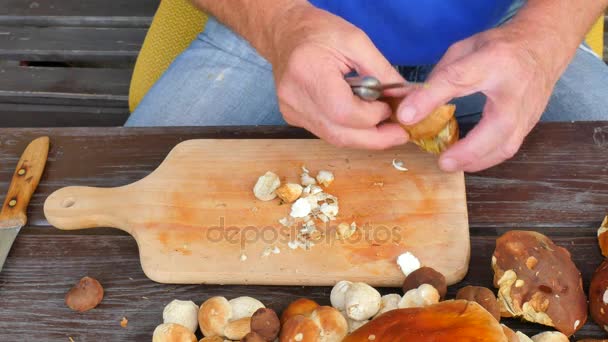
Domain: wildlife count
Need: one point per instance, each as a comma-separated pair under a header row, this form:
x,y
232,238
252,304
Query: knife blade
x,y
27,175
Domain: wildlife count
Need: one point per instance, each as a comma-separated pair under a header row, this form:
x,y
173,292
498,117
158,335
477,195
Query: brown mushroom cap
x,y
426,275
538,281
482,296
324,323
85,295
453,320
302,306
598,291
172,332
214,315
266,324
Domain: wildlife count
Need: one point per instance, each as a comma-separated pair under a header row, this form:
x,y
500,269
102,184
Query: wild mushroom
x,y
598,296
266,324
172,332
305,322
538,281
450,320
359,301
482,296
302,306
182,312
388,302
424,295
426,275
85,295
231,319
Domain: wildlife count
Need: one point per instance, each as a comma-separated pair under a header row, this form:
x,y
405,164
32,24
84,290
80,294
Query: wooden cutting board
x,y
196,220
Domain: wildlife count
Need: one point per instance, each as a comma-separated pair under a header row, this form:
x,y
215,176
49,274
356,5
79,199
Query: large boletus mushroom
x,y
454,320
537,281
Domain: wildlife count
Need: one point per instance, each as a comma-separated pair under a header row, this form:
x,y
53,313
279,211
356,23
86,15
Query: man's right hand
x,y
312,51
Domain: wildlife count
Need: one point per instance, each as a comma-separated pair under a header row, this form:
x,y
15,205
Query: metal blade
x,y
7,237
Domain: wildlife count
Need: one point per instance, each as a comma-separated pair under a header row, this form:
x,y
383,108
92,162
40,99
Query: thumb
x,y
459,78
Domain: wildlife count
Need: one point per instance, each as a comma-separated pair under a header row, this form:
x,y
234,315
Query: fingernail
x,y
448,164
407,114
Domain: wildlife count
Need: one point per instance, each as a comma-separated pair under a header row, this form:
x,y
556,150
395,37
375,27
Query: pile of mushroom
x,y
227,318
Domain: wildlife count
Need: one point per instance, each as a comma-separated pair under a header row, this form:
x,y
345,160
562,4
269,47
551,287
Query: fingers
x,y
495,139
369,61
462,77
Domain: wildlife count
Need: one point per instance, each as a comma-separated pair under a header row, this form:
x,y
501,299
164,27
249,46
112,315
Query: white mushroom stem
x,y
338,293
422,296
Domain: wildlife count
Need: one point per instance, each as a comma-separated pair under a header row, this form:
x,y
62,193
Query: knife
x,y
25,180
370,88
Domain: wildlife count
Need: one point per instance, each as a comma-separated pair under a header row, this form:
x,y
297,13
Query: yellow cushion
x,y
175,25
595,38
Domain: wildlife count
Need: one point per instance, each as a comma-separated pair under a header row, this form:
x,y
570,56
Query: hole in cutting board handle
x,y
68,202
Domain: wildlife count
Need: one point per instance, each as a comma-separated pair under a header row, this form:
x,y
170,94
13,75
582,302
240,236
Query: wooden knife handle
x,y
78,207
25,180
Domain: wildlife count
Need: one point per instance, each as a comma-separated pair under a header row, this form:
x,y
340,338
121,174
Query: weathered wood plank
x,y
70,43
45,115
109,8
41,268
65,86
557,179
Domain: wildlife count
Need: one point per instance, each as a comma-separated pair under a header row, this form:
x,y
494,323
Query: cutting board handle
x,y
78,207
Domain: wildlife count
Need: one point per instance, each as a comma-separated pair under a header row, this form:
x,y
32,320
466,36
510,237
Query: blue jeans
x,y
220,80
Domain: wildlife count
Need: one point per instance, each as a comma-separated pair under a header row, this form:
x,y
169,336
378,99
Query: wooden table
x,y
557,184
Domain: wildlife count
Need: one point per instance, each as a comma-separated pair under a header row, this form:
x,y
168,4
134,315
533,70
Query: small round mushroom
x,y
361,301
244,307
338,294
266,324
85,295
231,319
598,296
550,336
266,185
426,275
299,307
388,302
172,332
424,295
323,324
537,281
483,296
182,312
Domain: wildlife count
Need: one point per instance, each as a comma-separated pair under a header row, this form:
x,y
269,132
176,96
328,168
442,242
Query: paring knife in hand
x,y
24,183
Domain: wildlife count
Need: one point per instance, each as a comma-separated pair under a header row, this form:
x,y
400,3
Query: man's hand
x,y
517,82
313,52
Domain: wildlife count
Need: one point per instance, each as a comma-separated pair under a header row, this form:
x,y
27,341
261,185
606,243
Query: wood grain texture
x,y
25,179
65,86
70,43
566,160
198,205
45,115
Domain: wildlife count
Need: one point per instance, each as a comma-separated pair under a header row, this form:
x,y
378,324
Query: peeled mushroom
x,y
182,312
424,295
266,185
426,275
171,332
359,301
